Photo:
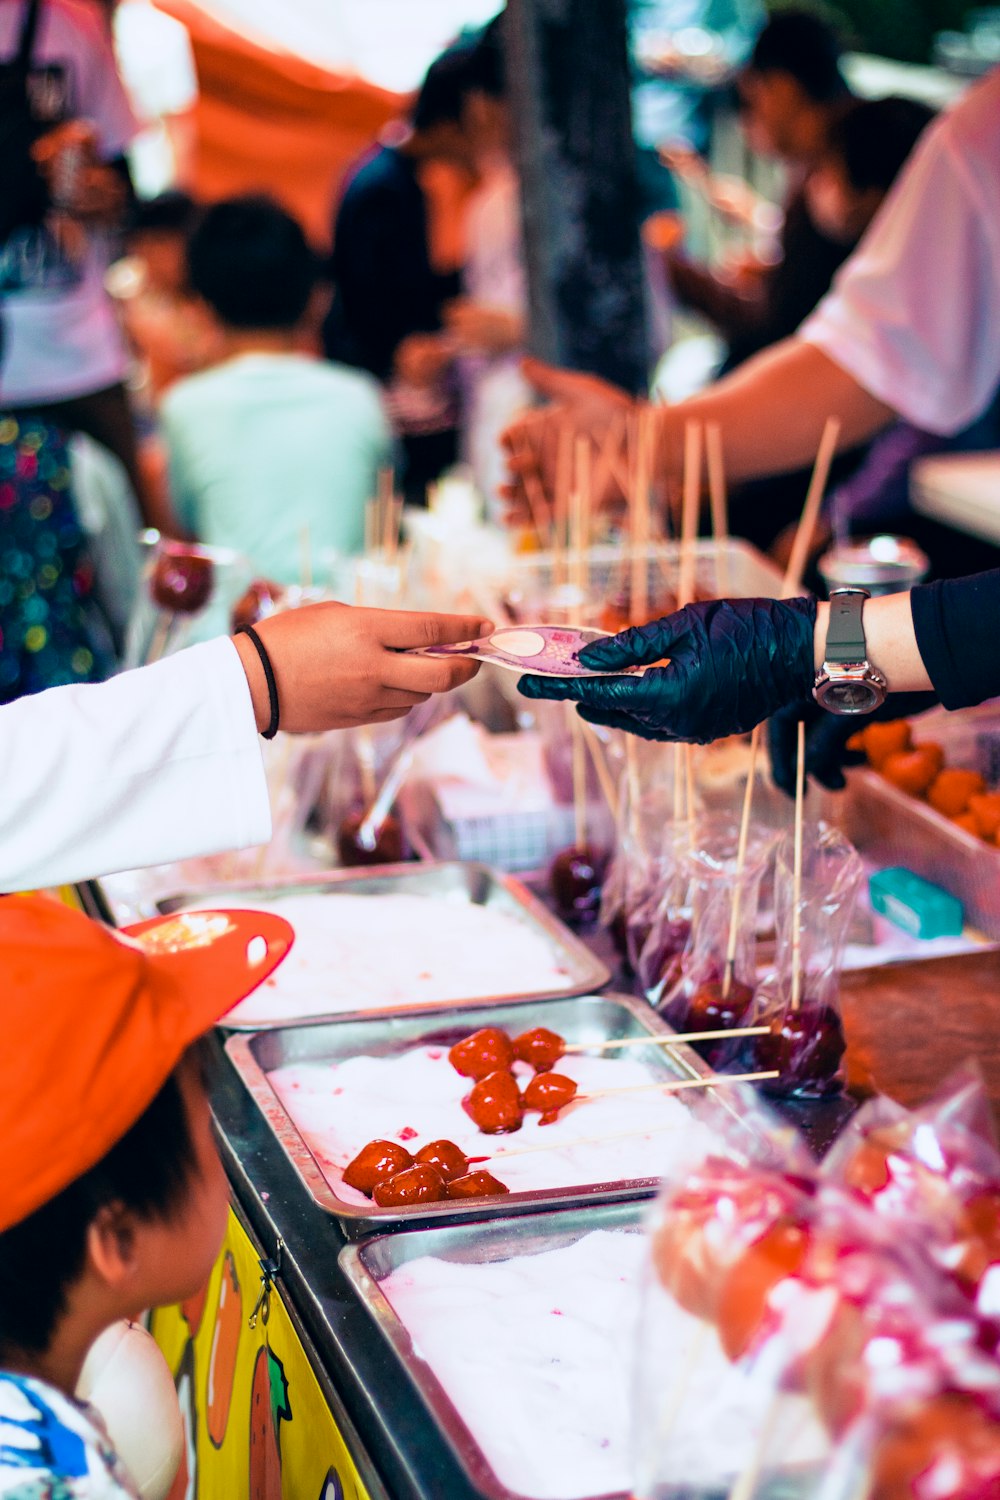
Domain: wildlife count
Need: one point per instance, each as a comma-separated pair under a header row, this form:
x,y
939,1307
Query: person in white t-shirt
x,y
62,354
269,445
911,328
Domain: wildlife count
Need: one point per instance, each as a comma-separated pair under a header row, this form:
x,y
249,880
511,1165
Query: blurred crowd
x,y
202,369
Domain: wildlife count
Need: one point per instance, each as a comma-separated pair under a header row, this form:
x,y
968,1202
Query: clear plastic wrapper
x,y
698,989
799,999
701,1409
932,1171
641,860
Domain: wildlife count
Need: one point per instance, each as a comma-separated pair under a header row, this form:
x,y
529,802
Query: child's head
x,y
158,234
112,1195
868,146
250,263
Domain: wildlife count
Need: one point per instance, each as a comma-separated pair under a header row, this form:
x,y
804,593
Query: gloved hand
x,y
827,736
732,663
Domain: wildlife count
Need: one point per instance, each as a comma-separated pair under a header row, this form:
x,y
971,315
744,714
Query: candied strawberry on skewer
x,y
494,1104
374,1163
549,1093
486,1051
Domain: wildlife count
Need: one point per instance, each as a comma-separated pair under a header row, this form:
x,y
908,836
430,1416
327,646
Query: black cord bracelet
x,y
269,678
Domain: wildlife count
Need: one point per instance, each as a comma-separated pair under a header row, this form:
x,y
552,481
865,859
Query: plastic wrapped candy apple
x,y
948,1445
932,1171
257,601
389,847
708,1222
183,577
800,999
709,994
575,877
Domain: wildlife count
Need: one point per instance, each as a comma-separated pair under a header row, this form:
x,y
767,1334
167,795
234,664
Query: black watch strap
x,y
845,635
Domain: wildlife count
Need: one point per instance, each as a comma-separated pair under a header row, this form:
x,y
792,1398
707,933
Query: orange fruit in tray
x,y
879,741
984,810
968,823
950,791
913,770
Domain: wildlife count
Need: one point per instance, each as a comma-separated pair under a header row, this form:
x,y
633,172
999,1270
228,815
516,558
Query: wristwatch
x,y
847,683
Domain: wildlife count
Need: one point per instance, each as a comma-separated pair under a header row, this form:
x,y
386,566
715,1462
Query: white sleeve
x,y
159,764
913,314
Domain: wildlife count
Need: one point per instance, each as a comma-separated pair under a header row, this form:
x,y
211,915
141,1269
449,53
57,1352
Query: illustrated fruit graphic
x,y
268,1409
222,1357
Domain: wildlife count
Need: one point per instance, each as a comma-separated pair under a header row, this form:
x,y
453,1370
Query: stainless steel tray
x,y
367,1264
587,1018
480,886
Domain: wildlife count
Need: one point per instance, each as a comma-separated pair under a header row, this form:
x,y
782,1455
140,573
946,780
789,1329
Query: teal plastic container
x,y
914,904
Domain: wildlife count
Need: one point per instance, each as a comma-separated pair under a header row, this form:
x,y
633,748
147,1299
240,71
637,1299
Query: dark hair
x,y
251,263
800,44
148,1171
873,138
473,64
172,212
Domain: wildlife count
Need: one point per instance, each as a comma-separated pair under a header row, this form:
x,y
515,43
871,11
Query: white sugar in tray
x,y
393,951
415,1097
536,1354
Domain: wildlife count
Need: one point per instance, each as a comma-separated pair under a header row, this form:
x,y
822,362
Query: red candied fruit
x,y
950,1441
374,1163
540,1047
494,1104
486,1051
388,848
806,1047
418,1184
445,1157
182,579
549,1093
476,1185
776,1255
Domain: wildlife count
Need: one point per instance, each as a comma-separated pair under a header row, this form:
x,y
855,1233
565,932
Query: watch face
x,y
849,697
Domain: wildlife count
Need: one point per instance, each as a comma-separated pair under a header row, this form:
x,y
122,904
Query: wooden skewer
x,y
680,1085
541,513
800,781
587,1140
305,546
689,790
689,513
564,480
719,505
601,766
810,511
665,1041
639,511
741,855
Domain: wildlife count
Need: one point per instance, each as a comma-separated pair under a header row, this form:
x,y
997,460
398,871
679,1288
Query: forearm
x,y
891,640
772,411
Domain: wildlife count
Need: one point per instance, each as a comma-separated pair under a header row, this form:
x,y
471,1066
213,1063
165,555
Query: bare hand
x,y
422,358
581,405
480,329
338,667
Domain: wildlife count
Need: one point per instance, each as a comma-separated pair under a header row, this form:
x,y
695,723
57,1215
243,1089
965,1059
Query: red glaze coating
x,y
660,969
708,1011
541,1048
806,1047
445,1157
549,1092
486,1051
388,842
778,1253
182,578
979,1236
494,1104
376,1162
476,1185
948,1445
575,882
418,1184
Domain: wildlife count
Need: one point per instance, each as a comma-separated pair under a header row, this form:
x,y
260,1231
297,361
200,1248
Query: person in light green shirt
x,y
270,451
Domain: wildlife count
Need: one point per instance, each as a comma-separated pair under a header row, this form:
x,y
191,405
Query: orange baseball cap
x,y
95,1021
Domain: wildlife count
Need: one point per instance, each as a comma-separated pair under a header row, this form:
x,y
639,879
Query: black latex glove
x,y
826,738
733,662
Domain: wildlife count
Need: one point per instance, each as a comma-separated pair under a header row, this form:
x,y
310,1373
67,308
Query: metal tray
x,y
587,1018
480,885
367,1264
